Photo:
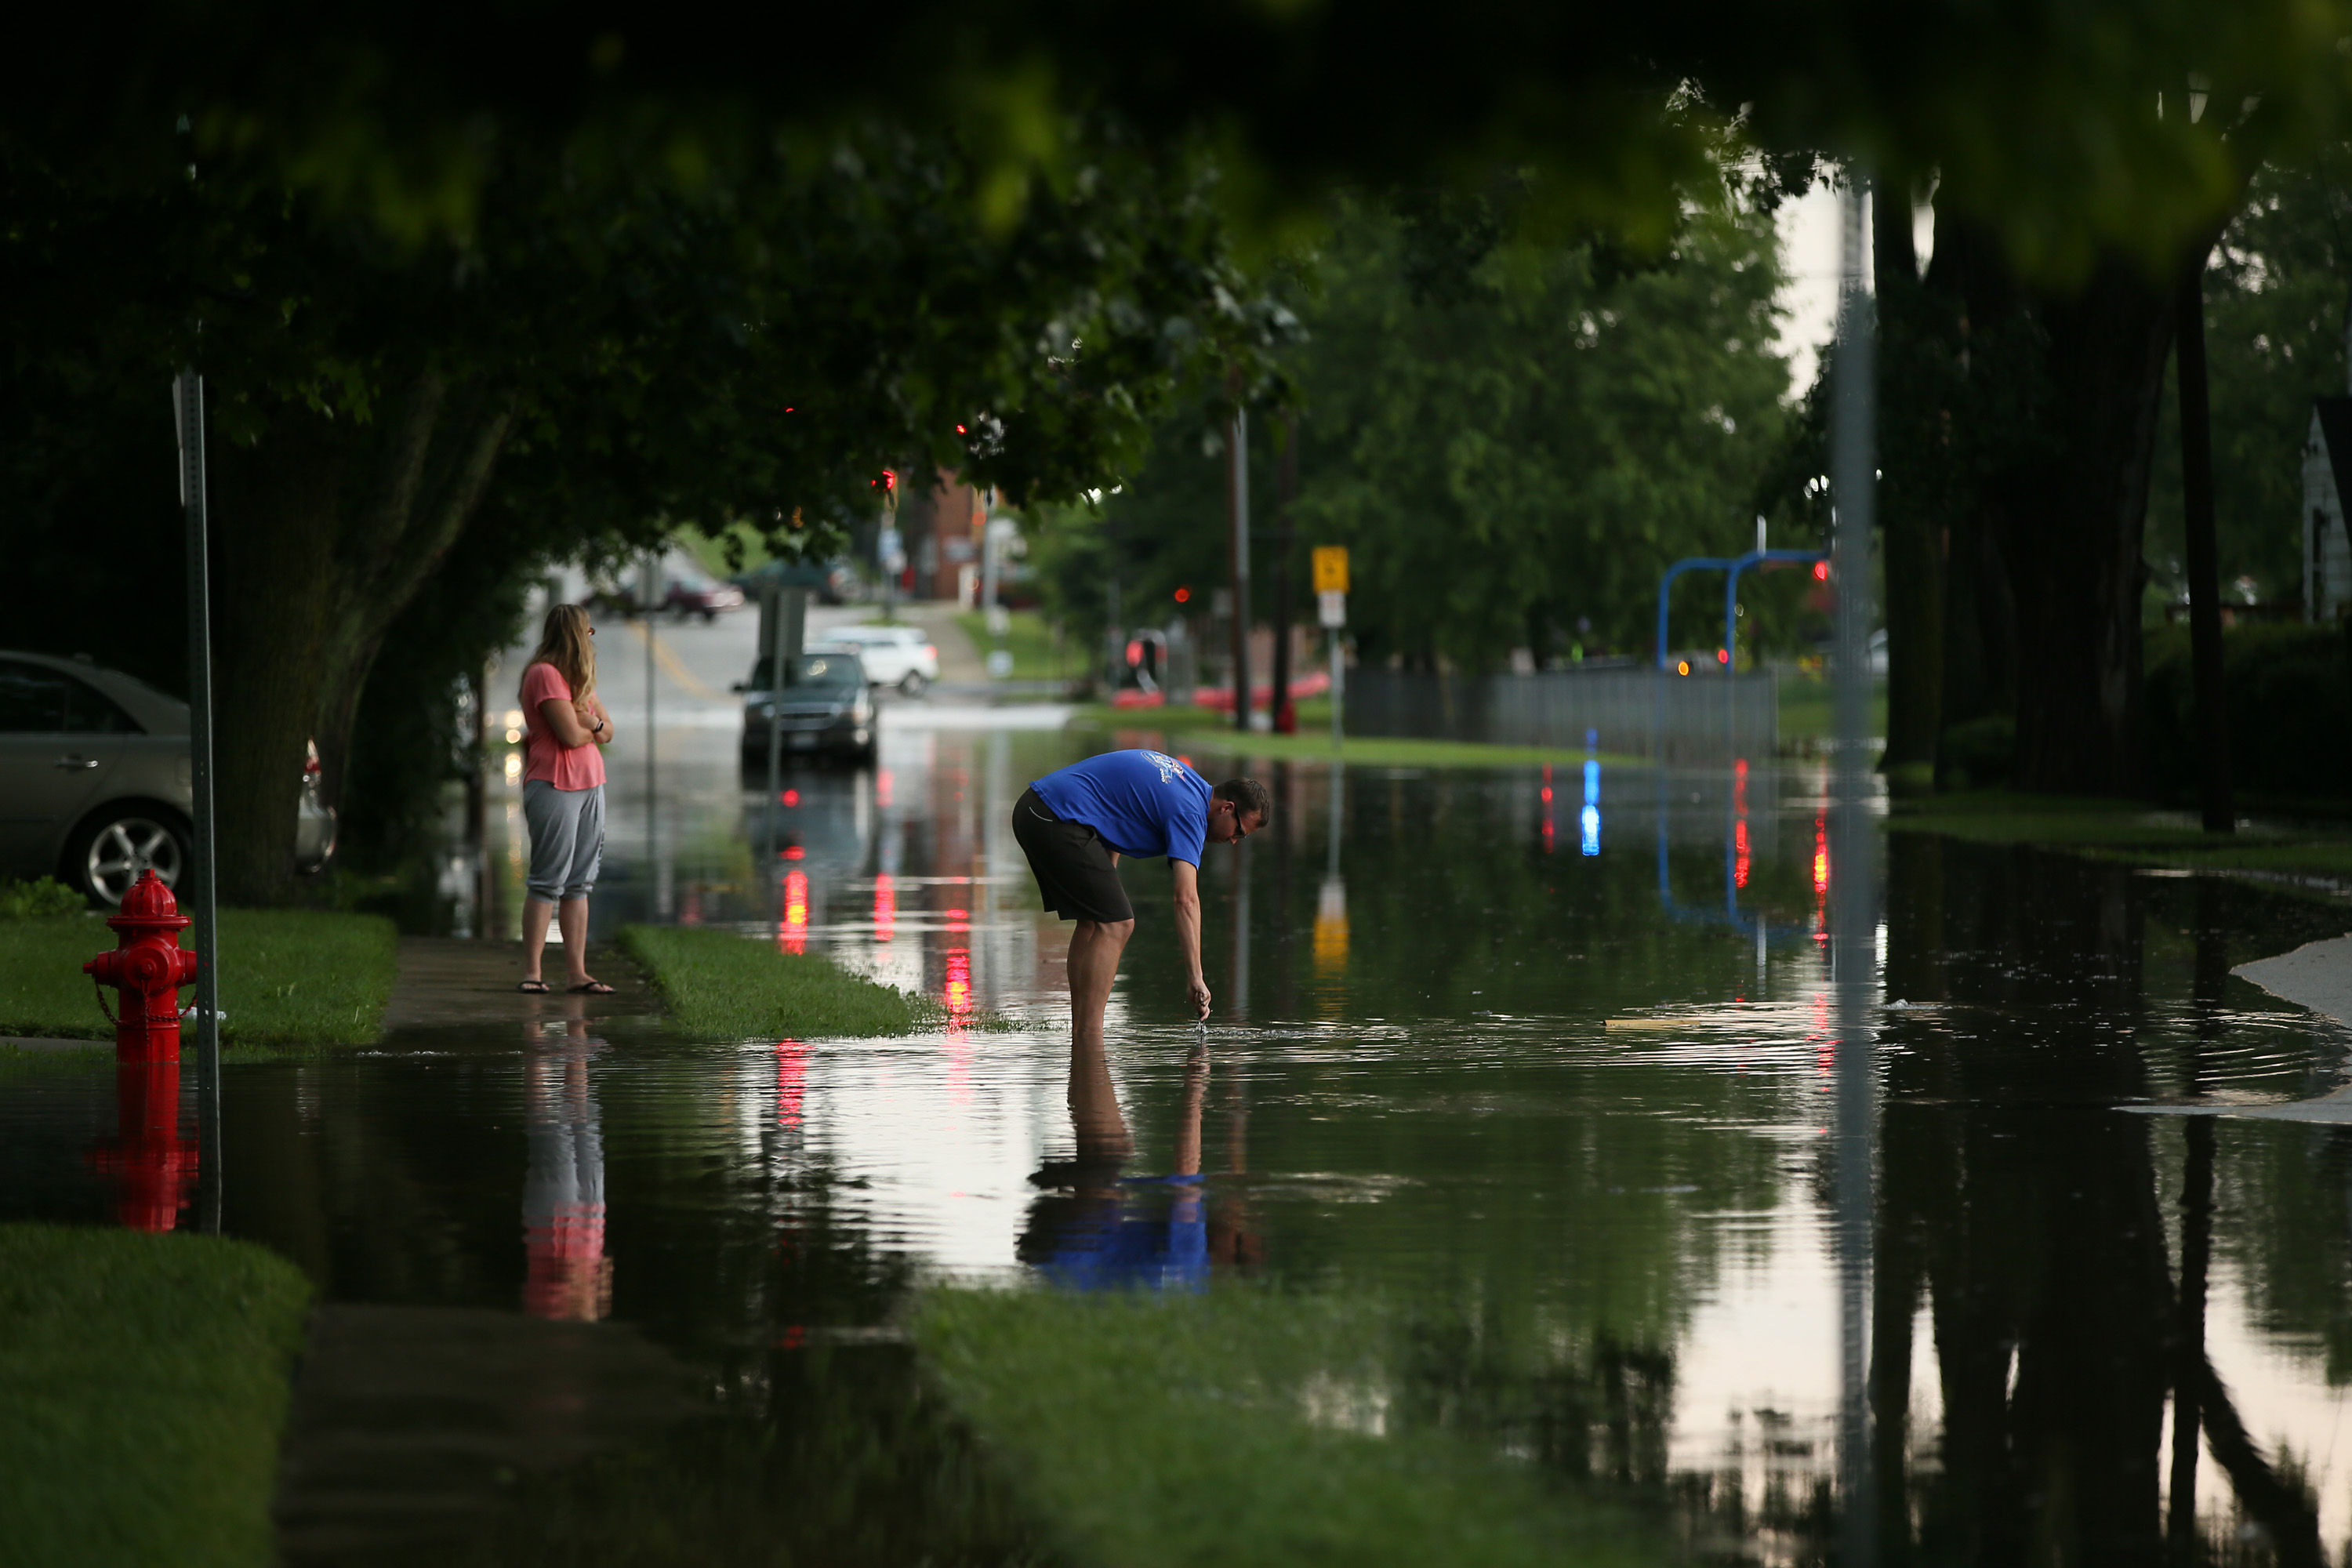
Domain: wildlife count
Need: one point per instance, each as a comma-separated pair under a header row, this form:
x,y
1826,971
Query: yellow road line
x,y
674,668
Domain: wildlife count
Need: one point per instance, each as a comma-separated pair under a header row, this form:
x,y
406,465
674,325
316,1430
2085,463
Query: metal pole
x,y
1238,543
775,693
653,584
1339,696
198,898
477,833
1853,915
1286,489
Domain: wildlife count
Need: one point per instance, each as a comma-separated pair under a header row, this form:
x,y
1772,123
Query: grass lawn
x,y
145,1380
1030,641
2128,831
288,977
1809,707
728,986
1162,1432
1195,731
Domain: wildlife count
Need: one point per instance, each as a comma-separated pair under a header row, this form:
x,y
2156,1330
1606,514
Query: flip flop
x,y
533,987
589,988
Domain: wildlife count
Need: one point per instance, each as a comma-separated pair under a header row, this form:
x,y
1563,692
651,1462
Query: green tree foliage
x,y
1513,437
2039,111
604,353
2278,294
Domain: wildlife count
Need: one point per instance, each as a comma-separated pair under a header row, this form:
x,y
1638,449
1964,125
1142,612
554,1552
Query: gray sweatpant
x,y
567,838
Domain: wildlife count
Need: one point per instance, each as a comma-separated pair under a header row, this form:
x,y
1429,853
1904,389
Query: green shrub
x,y
2289,691
1980,753
43,898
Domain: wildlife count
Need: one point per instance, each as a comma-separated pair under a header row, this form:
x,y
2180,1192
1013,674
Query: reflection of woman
x,y
567,1274
566,730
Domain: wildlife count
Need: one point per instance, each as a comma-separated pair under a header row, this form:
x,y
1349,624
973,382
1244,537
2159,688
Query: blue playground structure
x,y
1734,565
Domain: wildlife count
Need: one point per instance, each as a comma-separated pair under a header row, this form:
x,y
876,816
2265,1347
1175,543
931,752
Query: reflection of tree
x,y
2028,1212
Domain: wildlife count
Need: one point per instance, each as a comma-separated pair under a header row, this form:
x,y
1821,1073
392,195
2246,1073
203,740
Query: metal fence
x,y
1633,709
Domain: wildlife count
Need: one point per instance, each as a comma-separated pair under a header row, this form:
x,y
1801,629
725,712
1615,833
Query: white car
x,y
893,656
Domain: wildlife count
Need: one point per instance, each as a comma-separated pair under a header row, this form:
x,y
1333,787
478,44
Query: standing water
x,y
1541,1062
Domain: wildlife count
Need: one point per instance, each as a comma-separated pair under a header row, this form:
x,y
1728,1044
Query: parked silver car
x,y
94,779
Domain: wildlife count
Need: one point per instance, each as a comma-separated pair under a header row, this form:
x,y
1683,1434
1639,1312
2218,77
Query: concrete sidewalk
x,y
2317,976
445,980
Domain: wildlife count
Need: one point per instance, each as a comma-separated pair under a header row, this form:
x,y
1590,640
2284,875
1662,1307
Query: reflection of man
x,y
1085,1234
1075,824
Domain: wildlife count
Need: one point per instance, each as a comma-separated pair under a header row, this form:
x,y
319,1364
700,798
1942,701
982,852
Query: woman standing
x,y
565,730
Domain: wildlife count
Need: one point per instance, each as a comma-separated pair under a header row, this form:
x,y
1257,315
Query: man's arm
x,y
1187,878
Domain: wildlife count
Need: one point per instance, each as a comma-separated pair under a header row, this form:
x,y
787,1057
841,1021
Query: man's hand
x,y
1200,990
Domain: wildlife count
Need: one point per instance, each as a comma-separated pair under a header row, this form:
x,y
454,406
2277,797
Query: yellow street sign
x,y
1330,568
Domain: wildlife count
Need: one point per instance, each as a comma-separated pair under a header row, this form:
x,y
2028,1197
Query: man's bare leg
x,y
1095,949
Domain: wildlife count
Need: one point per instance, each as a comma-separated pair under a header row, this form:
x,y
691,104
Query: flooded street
x,y
1540,1061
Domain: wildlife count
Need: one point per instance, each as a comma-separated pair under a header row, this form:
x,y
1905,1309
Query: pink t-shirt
x,y
544,756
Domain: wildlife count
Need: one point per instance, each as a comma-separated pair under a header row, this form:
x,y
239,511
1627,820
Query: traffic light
x,y
1183,595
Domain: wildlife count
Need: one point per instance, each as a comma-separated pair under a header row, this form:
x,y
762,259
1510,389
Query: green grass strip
x,y
145,1381
726,986
1030,640
288,977
1230,1427
2127,832
1190,729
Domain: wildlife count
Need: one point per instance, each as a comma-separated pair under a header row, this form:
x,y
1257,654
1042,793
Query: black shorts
x,y
1073,865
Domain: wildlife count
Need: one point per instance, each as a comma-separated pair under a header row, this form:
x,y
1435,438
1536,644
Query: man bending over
x,y
1075,824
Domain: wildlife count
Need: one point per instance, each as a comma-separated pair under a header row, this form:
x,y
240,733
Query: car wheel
x,y
911,684
112,847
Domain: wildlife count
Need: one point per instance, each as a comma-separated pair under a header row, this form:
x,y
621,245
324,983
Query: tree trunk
x,y
2073,514
327,528
1914,544
276,503
2221,813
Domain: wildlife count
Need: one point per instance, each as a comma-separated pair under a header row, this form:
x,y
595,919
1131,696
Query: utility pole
x,y
1238,549
2203,563
1286,491
1853,897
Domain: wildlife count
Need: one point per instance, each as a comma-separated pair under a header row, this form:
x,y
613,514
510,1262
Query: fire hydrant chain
x,y
98,986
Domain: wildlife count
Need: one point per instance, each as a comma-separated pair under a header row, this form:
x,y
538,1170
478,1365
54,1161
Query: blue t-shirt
x,y
1142,803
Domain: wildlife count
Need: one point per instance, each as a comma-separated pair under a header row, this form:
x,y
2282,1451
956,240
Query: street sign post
x,y
199,898
1331,569
1331,603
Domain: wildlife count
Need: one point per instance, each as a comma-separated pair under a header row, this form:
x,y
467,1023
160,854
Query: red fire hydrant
x,y
149,967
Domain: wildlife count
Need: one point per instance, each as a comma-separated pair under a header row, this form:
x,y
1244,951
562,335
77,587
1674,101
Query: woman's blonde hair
x,y
564,642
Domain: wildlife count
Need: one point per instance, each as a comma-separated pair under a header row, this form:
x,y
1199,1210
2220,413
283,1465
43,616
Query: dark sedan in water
x,y
824,708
